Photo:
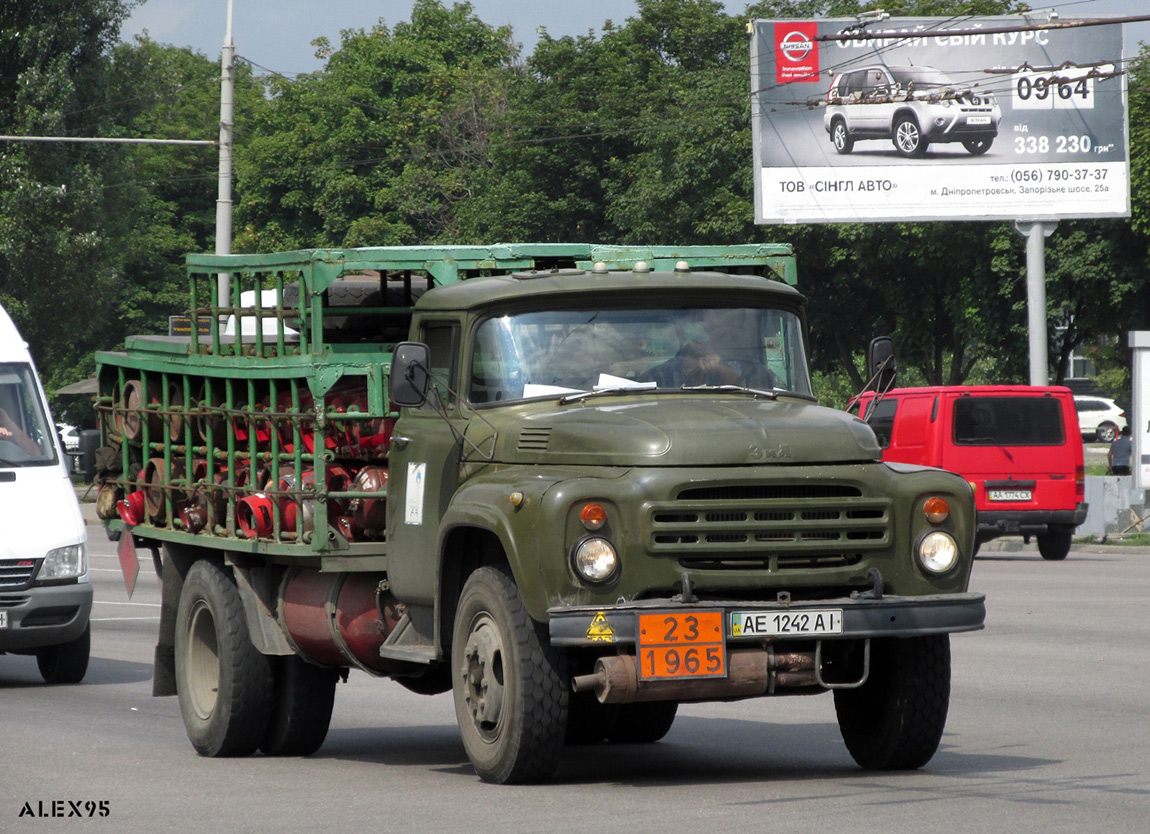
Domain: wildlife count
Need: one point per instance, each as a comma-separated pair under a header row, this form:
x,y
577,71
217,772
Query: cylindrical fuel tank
x,y
338,619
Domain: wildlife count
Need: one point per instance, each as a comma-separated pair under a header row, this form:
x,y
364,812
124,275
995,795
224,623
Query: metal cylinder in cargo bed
x,y
338,619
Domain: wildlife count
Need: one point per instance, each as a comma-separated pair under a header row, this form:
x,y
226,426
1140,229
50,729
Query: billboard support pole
x,y
1036,232
1139,420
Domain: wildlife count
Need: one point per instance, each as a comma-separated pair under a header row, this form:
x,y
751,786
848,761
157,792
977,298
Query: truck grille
x,y
16,574
772,527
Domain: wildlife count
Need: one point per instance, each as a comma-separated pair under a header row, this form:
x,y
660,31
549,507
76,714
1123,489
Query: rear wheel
x,y
1055,545
67,662
510,685
895,720
303,697
224,684
840,138
644,723
1106,433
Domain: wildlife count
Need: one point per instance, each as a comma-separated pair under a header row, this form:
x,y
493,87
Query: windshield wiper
x,y
773,393
704,389
611,392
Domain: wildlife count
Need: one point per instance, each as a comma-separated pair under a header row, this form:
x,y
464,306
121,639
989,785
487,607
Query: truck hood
x,y
677,430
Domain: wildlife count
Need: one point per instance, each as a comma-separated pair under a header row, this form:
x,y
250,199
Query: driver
x,y
696,363
720,352
11,431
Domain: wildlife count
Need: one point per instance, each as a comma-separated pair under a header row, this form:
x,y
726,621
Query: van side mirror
x,y
881,366
409,380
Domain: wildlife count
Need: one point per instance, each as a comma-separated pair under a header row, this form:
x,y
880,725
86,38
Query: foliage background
x,y
439,131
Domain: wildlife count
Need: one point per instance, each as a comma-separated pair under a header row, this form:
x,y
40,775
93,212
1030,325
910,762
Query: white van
x,y
45,595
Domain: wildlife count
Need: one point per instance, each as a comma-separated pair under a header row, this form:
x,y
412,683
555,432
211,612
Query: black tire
x,y
302,700
510,686
644,723
895,720
840,138
1055,545
979,146
67,662
588,721
908,138
224,684
1106,433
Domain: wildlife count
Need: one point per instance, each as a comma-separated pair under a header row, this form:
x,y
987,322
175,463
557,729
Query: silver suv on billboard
x,y
912,106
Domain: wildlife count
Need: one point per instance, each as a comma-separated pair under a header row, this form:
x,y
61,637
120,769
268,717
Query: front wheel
x,y
895,720
1055,545
67,662
224,684
510,685
908,138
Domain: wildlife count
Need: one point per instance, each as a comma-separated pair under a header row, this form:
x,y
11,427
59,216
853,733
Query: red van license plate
x,y
1008,494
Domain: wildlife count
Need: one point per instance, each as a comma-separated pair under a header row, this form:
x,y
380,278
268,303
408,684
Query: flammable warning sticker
x,y
600,630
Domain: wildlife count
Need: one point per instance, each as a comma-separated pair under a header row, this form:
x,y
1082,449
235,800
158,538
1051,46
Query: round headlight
x,y
937,552
595,559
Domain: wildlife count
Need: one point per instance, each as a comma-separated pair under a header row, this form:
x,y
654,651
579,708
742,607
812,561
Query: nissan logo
x,y
795,46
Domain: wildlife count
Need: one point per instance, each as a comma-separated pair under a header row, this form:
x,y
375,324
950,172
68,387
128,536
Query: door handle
x,y
399,441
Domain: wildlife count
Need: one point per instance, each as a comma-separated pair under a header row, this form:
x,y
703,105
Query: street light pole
x,y
224,198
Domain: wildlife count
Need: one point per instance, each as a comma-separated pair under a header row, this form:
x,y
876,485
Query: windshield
x,y
25,439
1008,421
575,351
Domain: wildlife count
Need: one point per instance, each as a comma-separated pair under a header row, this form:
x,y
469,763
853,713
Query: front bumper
x,y
994,523
886,616
44,616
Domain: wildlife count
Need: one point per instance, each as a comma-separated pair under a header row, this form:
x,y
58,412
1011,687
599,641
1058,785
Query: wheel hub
x,y
203,662
483,676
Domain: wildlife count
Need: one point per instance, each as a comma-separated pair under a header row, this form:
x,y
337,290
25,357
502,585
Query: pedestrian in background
x,y
1121,450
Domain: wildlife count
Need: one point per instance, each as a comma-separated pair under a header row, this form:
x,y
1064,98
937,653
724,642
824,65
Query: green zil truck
x,y
574,485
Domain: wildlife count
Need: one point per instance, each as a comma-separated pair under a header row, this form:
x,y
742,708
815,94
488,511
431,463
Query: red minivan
x,y
1018,445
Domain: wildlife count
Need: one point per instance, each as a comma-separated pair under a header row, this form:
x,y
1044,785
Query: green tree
x,y
383,145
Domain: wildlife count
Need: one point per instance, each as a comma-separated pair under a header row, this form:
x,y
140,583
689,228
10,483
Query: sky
x,y
276,35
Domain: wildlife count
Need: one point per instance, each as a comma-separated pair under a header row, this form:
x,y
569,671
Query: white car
x,y
69,436
1099,418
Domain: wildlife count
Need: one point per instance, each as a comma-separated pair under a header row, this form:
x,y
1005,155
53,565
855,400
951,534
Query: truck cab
x,y
45,596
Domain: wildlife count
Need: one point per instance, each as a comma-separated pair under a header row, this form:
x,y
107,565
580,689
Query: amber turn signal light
x,y
593,516
936,509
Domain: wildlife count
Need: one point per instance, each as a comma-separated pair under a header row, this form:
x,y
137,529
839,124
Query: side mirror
x,y
881,366
409,380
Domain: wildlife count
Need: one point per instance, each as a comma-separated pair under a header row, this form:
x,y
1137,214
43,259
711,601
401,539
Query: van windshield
x,y
1008,421
562,352
25,436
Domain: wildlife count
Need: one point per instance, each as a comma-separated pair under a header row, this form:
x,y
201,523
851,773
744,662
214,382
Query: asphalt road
x,y
1048,732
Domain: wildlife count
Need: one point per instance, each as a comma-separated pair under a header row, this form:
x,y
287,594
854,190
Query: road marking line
x,y
111,602
121,619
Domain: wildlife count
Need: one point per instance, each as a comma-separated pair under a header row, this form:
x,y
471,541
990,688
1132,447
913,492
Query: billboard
x,y
991,118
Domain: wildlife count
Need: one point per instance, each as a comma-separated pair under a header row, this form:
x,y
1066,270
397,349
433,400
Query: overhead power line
x,y
107,140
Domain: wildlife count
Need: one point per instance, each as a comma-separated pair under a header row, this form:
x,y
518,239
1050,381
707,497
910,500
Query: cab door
x,y
423,470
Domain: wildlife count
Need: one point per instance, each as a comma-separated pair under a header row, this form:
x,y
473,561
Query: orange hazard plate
x,y
675,645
